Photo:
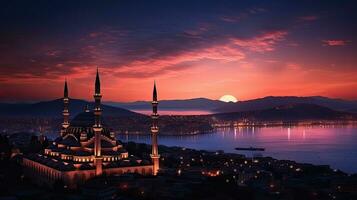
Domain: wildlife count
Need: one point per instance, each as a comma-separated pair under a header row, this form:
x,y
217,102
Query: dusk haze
x,y
178,99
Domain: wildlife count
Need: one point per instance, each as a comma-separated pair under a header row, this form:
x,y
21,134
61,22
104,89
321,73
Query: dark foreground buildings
x,y
87,148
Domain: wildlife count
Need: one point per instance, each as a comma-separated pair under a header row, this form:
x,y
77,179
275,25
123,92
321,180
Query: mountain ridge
x,y
292,112
217,106
273,101
54,108
184,104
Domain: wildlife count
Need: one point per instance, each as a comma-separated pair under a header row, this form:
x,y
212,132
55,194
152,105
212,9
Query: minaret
x,y
65,112
154,131
97,128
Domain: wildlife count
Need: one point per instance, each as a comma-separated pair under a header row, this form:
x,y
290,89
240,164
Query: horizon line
x,y
113,101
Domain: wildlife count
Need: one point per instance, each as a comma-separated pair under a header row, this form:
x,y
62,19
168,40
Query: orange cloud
x,y
229,51
174,63
262,43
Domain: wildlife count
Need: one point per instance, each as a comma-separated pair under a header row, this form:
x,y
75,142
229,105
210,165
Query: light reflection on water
x,y
335,146
175,112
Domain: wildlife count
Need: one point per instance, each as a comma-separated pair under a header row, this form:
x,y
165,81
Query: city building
x,y
87,148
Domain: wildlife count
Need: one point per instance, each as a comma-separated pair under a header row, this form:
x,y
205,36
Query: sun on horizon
x,y
228,98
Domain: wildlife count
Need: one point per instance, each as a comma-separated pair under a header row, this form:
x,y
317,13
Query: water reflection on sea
x,y
175,112
332,145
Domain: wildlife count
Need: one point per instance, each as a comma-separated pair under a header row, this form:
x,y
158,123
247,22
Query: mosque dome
x,y
83,123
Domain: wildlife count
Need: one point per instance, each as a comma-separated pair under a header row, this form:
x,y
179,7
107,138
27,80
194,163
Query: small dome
x,y
70,141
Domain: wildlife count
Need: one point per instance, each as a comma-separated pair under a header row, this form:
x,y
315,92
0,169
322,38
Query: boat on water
x,y
249,149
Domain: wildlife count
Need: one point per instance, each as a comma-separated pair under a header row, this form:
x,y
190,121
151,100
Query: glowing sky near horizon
x,y
248,49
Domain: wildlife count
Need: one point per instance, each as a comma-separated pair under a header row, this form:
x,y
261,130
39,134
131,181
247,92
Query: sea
x,y
334,145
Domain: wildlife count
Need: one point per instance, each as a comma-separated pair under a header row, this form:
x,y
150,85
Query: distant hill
x,y
186,104
217,106
271,102
54,109
291,112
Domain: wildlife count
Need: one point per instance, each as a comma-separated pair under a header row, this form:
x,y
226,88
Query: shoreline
x,y
218,127
228,154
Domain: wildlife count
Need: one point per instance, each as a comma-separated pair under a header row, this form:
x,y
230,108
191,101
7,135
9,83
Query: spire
x,y
97,128
154,131
65,112
65,89
97,83
154,94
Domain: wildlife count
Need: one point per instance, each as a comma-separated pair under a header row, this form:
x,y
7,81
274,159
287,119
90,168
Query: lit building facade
x,y
87,148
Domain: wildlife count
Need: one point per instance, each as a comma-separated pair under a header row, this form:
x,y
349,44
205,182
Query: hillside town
x,y
185,173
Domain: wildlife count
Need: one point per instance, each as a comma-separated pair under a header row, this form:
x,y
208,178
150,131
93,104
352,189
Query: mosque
x,y
87,148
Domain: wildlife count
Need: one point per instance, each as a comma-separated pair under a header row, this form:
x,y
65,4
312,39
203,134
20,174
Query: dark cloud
x,y
335,42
